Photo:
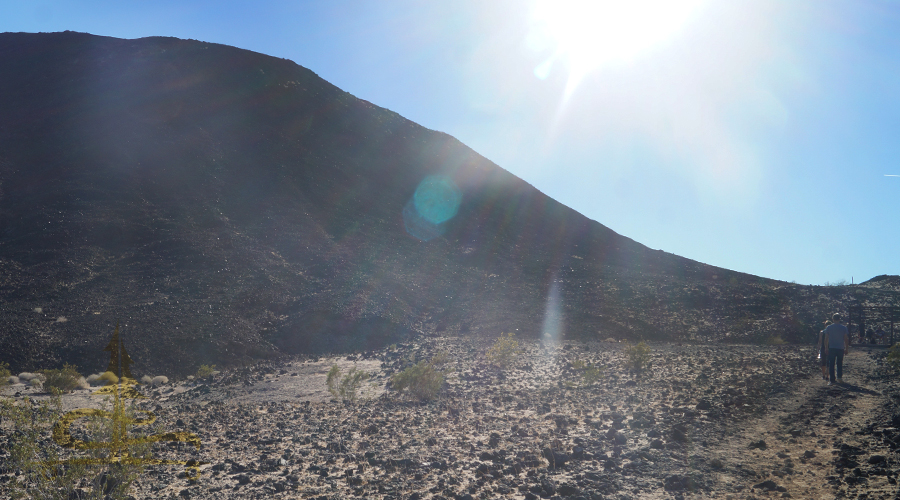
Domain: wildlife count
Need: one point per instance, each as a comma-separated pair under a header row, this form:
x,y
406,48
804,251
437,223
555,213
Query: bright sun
x,y
591,33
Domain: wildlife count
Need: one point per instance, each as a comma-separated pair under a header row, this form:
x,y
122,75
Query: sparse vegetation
x,y
64,380
345,387
205,371
108,378
46,471
775,340
30,450
638,356
893,357
504,352
423,380
590,374
4,374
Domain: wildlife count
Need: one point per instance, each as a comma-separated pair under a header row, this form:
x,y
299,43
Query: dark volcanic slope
x,y
225,205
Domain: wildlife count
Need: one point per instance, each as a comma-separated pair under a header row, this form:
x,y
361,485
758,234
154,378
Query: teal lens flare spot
x,y
417,226
437,199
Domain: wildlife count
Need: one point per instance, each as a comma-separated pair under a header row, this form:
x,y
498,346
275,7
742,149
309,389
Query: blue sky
x,y
757,135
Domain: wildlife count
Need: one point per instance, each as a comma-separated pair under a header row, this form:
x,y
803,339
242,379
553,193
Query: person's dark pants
x,y
835,357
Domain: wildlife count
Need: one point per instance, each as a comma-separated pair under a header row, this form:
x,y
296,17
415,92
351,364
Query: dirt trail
x,y
821,441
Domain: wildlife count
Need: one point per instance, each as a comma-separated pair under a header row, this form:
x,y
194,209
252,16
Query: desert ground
x,y
702,421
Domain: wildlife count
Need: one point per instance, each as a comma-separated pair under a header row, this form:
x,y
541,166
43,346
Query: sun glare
x,y
589,34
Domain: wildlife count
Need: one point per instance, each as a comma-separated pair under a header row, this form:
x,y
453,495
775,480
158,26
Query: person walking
x,y
837,344
823,351
879,335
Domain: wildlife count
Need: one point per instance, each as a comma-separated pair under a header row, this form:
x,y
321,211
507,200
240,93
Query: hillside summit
x,y
224,206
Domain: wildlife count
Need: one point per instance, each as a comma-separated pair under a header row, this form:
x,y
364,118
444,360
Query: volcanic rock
x,y
237,207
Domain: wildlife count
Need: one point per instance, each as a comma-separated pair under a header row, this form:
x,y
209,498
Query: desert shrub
x,y
4,374
504,351
775,340
29,446
205,371
893,357
44,470
347,386
64,380
590,374
423,380
638,356
108,378
26,377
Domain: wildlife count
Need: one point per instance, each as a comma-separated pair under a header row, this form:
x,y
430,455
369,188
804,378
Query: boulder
x,y
758,445
555,458
679,436
769,485
680,483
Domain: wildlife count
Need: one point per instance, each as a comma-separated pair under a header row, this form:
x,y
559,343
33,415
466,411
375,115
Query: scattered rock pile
x,y
703,419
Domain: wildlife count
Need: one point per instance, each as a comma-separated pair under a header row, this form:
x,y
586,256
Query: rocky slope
x,y
224,206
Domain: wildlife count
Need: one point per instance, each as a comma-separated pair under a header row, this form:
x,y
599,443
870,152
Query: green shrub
x,y
775,340
590,374
423,380
638,356
109,378
65,380
4,374
45,470
347,386
504,352
205,371
893,357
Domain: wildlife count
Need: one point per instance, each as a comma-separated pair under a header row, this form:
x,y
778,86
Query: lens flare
x,y
553,318
437,199
435,202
